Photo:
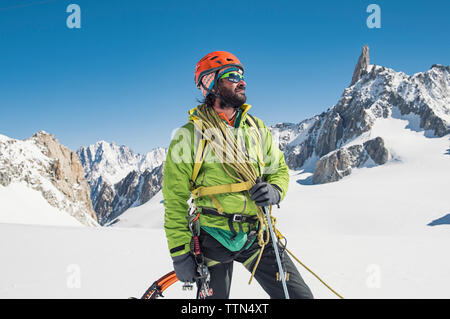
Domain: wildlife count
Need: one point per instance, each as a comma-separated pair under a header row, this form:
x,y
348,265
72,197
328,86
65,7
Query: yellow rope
x,y
323,282
241,166
280,236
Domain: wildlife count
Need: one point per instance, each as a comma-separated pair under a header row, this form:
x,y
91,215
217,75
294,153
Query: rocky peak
x,y
67,165
361,66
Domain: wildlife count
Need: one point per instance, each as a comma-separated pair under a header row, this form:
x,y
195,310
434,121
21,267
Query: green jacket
x,y
178,171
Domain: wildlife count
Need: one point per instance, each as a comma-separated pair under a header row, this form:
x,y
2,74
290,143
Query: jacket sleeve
x,y
275,170
176,191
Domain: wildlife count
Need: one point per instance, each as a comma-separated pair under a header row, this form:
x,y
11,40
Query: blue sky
x,y
127,74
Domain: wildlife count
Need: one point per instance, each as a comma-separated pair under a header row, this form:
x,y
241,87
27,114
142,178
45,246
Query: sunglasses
x,y
233,76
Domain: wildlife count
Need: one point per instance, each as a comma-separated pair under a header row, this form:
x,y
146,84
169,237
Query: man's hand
x,y
264,194
184,266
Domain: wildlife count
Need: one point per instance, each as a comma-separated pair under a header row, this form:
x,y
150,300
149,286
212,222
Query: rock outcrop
x,y
339,163
51,168
134,190
361,66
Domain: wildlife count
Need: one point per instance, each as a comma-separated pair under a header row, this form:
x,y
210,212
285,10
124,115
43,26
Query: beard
x,y
234,98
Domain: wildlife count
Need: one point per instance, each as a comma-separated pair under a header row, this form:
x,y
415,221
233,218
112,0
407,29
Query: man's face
x,y
234,93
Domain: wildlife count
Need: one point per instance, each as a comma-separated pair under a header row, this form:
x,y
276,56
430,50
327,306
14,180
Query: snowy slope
x,y
366,235
33,208
78,262
375,221
148,215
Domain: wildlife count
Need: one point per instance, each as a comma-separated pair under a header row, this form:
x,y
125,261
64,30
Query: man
x,y
228,184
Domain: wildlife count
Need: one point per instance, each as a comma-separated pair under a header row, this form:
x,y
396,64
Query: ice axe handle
x,y
275,246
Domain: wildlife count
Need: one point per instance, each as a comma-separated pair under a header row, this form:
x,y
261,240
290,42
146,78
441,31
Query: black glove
x,y
184,266
265,194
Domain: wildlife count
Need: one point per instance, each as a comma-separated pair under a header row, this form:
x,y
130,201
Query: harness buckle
x,y
238,218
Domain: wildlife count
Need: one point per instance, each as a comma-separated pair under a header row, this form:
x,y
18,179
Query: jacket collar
x,y
244,108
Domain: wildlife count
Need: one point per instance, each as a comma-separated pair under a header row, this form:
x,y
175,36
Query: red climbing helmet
x,y
212,66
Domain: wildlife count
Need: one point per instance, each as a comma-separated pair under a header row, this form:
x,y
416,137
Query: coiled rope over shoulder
x,y
242,171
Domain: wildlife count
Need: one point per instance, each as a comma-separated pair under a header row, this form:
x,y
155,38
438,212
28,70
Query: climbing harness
x,y
238,218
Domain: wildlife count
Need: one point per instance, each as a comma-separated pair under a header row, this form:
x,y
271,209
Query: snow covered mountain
x,y
42,181
120,178
334,142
